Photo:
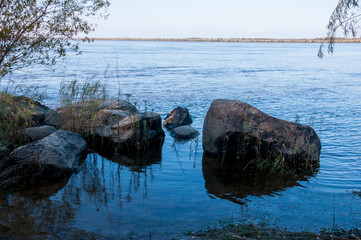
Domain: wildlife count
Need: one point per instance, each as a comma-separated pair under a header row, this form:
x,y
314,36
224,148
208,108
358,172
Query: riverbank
x,y
250,231
243,40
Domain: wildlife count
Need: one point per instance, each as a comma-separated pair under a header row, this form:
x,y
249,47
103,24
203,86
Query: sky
x,y
216,19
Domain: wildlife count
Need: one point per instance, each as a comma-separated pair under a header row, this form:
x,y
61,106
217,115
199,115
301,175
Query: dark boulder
x,y
236,130
177,117
52,157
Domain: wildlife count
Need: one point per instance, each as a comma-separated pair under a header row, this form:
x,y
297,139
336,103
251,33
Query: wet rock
x,y
177,117
122,131
184,132
37,133
52,157
236,130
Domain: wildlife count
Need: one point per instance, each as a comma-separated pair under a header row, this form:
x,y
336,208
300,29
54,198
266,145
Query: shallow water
x,y
172,191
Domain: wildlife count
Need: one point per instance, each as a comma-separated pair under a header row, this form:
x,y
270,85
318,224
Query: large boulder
x,y
52,157
177,117
236,130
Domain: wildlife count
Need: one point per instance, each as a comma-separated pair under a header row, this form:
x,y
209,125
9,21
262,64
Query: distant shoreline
x,y
244,40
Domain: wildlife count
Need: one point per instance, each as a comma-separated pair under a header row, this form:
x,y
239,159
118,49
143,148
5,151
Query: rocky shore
x,y
54,142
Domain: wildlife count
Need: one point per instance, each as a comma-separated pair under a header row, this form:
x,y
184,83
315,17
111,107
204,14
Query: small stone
x,y
177,117
184,132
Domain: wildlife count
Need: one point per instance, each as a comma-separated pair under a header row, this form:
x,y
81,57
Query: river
x,y
167,193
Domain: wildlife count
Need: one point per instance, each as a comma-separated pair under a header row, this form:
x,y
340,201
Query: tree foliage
x,y
345,18
39,31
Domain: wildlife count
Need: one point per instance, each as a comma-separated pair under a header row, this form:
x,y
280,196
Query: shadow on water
x,y
236,184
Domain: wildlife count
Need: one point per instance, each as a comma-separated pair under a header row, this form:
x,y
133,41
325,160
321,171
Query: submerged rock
x,y
184,132
234,129
54,156
177,117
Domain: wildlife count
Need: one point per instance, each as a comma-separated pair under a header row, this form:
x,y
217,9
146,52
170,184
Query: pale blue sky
x,y
216,18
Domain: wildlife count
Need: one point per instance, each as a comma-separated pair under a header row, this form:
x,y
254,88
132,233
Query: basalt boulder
x,y
235,130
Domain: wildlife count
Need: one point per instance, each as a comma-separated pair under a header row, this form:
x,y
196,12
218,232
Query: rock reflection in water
x,y
227,182
24,218
139,160
56,210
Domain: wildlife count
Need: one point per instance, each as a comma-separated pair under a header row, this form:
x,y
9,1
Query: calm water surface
x,y
172,191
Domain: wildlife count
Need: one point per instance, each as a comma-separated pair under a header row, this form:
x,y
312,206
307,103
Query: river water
x,y
171,192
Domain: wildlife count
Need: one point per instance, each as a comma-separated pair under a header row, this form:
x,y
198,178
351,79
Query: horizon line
x,y
261,40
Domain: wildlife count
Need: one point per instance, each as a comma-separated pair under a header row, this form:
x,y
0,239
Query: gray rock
x,y
37,133
77,116
52,118
237,130
54,156
110,125
177,117
184,132
118,129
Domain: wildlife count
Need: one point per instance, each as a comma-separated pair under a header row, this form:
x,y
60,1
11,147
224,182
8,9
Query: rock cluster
x,y
111,125
178,121
232,130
